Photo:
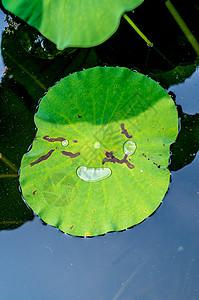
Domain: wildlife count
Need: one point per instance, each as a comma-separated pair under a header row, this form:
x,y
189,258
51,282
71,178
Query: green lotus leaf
x,y
100,156
67,23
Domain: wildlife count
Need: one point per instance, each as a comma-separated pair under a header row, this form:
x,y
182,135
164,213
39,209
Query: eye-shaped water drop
x,y
129,147
64,143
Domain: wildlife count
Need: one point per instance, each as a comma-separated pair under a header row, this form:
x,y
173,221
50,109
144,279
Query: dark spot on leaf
x,y
111,158
71,227
79,116
42,158
125,132
70,154
52,140
75,141
34,192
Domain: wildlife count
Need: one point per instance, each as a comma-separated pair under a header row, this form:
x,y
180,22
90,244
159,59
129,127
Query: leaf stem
x,y
141,34
149,43
9,175
8,163
190,37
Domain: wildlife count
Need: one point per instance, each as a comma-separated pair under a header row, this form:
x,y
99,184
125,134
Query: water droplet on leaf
x,y
64,143
129,147
93,174
97,145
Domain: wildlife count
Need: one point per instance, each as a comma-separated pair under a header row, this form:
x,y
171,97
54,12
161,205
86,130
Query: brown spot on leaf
x,y
70,154
42,158
52,140
111,158
125,132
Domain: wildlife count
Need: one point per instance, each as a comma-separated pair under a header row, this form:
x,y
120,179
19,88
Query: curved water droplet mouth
x,y
64,143
129,147
93,174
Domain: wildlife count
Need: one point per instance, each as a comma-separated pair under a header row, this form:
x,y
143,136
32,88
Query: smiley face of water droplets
x,y
98,174
90,174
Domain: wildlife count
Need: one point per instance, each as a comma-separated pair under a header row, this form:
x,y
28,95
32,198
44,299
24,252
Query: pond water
x,y
157,259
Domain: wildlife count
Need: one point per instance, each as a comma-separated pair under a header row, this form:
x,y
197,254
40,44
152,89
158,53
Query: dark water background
x,y
158,259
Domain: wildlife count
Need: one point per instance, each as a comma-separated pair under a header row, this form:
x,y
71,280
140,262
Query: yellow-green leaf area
x,y
99,160
69,23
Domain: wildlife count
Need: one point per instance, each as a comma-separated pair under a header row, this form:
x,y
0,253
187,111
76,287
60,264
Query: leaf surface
x,y
68,23
100,156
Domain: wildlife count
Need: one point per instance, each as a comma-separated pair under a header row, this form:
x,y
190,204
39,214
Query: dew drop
x,y
97,145
64,143
129,147
93,174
